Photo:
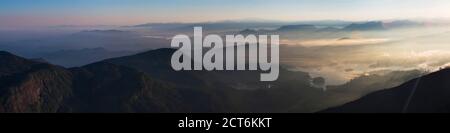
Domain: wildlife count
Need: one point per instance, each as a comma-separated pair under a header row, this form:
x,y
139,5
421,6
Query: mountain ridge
x,y
427,94
97,87
145,82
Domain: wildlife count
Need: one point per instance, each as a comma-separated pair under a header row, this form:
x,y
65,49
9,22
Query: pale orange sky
x,y
120,12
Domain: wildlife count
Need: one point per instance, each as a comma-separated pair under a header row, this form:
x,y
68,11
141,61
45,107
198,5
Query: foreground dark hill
x,y
241,91
145,82
28,86
105,87
427,94
236,91
156,63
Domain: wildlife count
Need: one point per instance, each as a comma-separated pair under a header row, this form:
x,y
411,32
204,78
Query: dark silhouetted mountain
x,y
157,64
145,82
231,91
402,24
248,31
160,26
376,25
237,24
344,38
304,31
297,28
27,86
427,94
104,31
105,87
41,60
329,29
44,88
13,64
221,25
239,91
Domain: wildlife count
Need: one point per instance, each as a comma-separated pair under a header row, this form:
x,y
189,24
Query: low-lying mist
x,y
369,52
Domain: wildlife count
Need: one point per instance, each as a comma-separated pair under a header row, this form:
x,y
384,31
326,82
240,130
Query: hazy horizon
x,y
18,13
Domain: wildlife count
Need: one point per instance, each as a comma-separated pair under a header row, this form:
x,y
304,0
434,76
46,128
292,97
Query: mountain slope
x,y
28,86
13,64
427,94
156,63
241,91
225,91
145,82
105,87
375,25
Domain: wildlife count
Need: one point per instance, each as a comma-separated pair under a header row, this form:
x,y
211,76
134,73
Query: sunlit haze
x,y
21,13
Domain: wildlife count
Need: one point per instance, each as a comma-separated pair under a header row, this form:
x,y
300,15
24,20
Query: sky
x,y
23,13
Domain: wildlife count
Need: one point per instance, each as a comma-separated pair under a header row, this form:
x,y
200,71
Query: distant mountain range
x,y
365,26
84,47
360,26
236,24
261,27
297,28
80,57
28,86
